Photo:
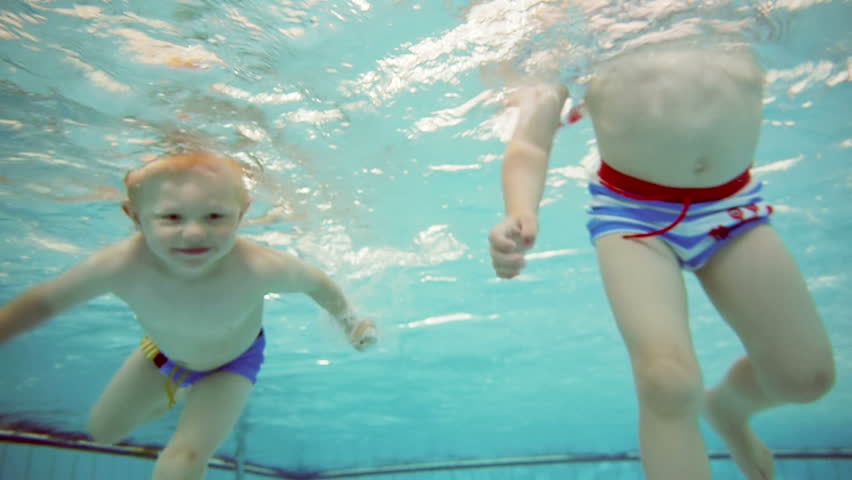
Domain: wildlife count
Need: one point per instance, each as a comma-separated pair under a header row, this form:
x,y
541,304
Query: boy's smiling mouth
x,y
193,250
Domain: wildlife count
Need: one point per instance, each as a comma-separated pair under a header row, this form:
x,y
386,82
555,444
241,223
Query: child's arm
x,y
528,152
45,300
524,173
288,273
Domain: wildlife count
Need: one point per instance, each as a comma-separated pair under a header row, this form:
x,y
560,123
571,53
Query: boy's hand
x,y
509,240
364,335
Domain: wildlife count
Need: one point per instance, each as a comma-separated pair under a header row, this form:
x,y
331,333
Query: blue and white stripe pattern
x,y
706,228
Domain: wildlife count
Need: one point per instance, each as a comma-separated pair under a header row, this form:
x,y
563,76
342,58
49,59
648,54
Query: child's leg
x,y
213,406
135,394
648,297
756,286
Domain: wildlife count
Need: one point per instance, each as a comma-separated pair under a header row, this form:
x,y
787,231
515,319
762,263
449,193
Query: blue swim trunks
x,y
248,365
694,223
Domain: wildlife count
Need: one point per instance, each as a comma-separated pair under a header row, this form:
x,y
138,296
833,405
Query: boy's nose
x,y
194,230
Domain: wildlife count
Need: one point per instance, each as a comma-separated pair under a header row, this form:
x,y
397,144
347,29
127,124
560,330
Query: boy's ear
x,y
129,211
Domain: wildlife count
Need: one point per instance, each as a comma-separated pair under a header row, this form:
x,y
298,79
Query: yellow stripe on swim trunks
x,y
149,349
174,378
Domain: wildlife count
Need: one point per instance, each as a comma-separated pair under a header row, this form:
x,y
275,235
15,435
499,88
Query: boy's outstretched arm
x,y
292,274
324,291
45,300
524,173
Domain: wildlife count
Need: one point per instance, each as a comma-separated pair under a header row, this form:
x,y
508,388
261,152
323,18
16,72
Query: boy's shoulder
x,y
120,255
109,268
258,257
272,269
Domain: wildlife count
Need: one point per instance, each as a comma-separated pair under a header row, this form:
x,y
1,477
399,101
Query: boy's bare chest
x,y
202,308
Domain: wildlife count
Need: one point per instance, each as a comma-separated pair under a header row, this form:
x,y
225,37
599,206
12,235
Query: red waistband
x,y
640,189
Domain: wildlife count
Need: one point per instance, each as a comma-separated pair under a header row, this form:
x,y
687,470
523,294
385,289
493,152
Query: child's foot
x,y
752,456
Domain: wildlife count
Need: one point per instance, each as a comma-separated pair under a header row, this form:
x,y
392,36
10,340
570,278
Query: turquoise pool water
x,y
375,131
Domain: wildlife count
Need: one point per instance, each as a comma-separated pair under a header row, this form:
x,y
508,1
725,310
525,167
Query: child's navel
x,y
700,166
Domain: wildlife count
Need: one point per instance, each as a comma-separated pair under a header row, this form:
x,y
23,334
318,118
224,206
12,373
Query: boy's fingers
x,y
363,328
508,273
364,335
366,342
528,231
509,239
508,266
502,244
501,237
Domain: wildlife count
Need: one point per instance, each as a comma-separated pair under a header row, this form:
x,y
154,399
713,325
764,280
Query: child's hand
x,y
509,240
364,335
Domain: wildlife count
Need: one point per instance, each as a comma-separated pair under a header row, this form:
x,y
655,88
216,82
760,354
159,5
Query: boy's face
x,y
189,219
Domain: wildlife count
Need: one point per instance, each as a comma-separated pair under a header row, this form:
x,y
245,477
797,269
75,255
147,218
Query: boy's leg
x,y
213,406
648,298
758,289
135,394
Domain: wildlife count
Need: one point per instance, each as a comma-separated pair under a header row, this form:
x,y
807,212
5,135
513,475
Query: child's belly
x,y
680,118
679,165
203,347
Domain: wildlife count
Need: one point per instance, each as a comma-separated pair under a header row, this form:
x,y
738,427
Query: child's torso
x,y
201,323
682,117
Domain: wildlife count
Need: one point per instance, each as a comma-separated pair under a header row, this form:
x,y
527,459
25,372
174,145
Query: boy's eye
x,y
216,216
172,217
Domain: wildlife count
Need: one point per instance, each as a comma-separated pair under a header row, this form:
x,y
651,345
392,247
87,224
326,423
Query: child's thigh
x,y
756,286
135,391
213,406
647,294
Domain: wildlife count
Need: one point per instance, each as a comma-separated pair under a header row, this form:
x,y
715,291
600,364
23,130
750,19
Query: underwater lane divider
x,y
137,451
73,442
542,460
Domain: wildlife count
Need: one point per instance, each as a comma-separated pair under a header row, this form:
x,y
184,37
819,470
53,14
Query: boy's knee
x,y
182,456
802,385
101,432
671,386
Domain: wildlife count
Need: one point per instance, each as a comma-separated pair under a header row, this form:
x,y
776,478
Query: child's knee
x,y
801,383
182,457
102,431
107,426
669,385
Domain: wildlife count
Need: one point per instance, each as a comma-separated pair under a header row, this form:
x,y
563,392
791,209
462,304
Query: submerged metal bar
x,y
42,439
542,460
147,452
240,433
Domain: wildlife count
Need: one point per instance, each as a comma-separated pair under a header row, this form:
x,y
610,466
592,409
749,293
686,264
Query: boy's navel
x,y
700,165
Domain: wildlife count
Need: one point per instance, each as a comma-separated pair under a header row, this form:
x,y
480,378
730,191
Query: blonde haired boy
x,y
197,290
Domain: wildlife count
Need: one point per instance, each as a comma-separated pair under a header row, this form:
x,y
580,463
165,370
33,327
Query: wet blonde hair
x,y
184,162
